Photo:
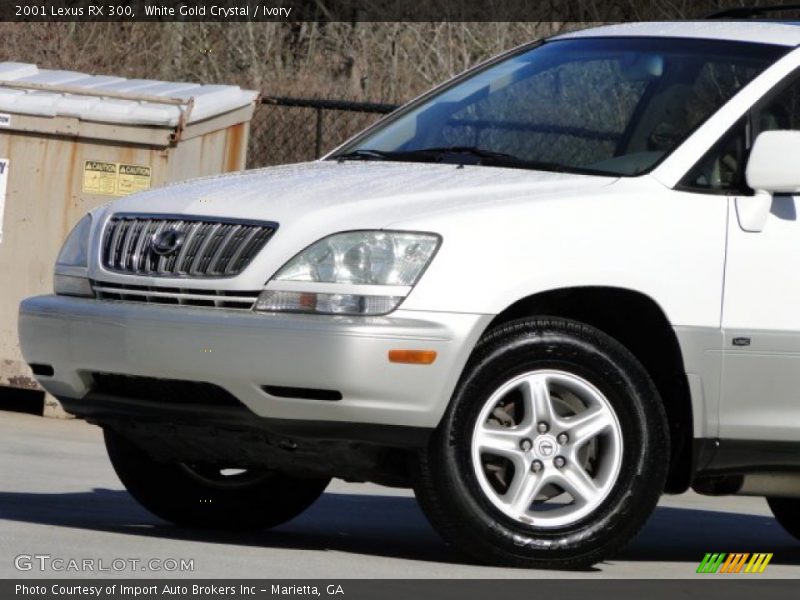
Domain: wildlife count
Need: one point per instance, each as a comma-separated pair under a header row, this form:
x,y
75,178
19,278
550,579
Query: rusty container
x,y
71,141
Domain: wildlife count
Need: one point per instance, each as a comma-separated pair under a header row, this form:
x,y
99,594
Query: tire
x,y
787,514
197,496
467,479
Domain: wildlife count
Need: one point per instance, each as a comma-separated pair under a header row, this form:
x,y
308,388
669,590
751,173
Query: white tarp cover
x,y
209,100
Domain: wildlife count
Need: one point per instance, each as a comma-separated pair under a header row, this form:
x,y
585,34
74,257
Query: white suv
x,y
542,295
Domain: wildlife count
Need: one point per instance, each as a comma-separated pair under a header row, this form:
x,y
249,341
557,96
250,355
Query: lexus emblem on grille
x,y
167,242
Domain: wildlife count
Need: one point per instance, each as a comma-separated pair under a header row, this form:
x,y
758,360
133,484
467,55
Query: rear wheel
x,y
209,496
787,514
553,452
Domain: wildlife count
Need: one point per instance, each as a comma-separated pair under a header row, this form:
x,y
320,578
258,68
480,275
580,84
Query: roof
x,y
765,32
26,89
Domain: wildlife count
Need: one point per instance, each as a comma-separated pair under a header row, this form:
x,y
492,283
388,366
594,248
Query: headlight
x,y
71,277
363,257
354,273
75,251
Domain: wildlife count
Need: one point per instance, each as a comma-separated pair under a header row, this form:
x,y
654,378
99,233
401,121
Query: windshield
x,y
614,106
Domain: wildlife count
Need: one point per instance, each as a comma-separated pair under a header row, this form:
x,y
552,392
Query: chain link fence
x,y
288,130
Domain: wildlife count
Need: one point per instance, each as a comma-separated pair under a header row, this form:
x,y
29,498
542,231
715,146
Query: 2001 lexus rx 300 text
x,y
542,295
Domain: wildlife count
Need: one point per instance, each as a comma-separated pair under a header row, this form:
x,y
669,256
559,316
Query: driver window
x,y
721,170
781,112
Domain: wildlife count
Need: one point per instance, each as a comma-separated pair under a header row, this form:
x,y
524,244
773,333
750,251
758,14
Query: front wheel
x,y
553,451
787,514
208,496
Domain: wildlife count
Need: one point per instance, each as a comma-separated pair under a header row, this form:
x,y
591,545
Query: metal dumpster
x,y
71,141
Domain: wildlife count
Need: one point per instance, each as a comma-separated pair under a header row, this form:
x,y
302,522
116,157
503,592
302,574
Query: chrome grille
x,y
210,248
179,296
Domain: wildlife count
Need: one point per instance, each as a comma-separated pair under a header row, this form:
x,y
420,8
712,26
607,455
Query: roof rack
x,y
749,12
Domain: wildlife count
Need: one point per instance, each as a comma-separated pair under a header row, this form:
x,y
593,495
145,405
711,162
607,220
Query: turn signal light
x,y
412,357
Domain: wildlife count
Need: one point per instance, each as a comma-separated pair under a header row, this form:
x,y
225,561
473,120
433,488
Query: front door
x,y
760,397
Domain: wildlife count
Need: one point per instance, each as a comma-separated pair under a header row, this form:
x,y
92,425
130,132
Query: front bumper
x,y
242,351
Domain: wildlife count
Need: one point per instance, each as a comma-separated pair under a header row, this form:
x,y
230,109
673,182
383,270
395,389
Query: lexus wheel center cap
x,y
545,446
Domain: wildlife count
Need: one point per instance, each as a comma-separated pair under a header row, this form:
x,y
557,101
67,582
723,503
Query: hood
x,y
354,193
309,201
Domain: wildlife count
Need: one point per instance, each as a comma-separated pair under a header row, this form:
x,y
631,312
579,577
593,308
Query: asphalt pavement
x,y
60,498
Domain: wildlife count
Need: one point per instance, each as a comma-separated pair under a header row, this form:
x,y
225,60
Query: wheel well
x,y
637,322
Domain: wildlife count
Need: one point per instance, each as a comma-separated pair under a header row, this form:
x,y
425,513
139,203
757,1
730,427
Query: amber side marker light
x,y
412,357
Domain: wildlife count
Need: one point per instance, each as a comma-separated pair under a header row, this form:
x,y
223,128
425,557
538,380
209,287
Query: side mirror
x,y
773,168
774,164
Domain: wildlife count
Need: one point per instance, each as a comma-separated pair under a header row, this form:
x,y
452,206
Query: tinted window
x,y
615,105
722,169
783,111
546,116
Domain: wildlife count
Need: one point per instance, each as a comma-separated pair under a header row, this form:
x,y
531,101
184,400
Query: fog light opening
x,y
42,370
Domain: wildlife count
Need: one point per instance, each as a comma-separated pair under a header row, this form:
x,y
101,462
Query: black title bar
x,y
735,587
376,10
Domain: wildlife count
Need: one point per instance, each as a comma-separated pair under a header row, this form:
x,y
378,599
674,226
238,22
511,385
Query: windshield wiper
x,y
425,154
490,158
470,155
473,151
365,154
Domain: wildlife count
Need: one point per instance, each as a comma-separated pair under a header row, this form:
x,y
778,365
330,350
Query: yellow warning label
x,y
100,177
133,178
115,179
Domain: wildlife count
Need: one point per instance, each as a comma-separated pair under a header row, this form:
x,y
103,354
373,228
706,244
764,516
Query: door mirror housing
x,y
774,164
752,211
773,168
